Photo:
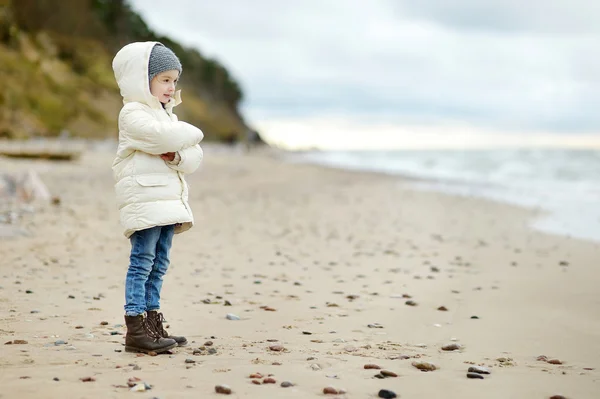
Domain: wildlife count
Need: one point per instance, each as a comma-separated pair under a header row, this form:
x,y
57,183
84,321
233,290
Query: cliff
x,y
55,63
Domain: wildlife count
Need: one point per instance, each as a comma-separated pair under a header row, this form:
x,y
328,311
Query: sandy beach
x,y
327,270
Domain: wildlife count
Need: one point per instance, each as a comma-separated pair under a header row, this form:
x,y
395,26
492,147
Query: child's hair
x,y
162,59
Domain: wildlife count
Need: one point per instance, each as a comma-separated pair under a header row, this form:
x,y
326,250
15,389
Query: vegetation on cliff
x,y
55,61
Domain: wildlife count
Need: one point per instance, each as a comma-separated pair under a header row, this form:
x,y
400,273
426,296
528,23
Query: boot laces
x,y
151,328
159,325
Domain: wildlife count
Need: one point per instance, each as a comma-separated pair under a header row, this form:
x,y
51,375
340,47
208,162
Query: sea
x,y
564,183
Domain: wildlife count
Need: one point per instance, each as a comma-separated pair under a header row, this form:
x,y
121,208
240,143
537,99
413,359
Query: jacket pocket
x,y
152,180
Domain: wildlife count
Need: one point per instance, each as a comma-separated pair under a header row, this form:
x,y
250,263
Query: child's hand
x,y
168,156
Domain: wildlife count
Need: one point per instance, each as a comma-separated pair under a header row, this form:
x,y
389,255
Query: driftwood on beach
x,y
59,150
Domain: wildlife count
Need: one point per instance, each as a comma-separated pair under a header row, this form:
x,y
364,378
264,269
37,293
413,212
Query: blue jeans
x,y
148,264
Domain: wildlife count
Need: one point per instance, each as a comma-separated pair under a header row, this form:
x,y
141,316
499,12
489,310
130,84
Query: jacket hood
x,y
130,66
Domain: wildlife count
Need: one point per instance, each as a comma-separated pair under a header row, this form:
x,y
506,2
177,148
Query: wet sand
x,y
319,261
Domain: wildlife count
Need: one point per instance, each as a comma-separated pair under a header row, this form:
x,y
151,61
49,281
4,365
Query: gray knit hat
x,y
162,59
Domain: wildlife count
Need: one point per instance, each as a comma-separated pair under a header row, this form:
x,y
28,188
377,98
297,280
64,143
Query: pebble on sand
x,y
442,309
479,370
256,375
16,342
286,384
410,302
557,397
387,373
330,391
87,379
475,376
269,380
424,366
387,394
277,348
231,316
372,367
451,347
224,389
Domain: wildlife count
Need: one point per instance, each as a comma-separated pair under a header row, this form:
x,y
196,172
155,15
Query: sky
x,y
355,73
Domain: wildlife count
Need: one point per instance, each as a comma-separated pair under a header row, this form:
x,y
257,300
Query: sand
x,y
332,252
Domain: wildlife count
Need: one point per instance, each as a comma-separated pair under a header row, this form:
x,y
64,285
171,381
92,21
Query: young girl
x,y
155,152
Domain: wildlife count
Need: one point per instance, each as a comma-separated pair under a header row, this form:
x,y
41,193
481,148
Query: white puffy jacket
x,y
150,191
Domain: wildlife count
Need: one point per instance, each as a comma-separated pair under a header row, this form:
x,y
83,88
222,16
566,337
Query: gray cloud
x,y
503,65
532,16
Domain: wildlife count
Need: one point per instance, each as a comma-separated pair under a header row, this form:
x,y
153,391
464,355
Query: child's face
x,y
163,85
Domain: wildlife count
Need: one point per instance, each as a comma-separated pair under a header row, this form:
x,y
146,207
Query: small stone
x,y
212,351
227,303
315,367
71,296
60,342
387,394
104,323
475,376
276,364
79,327
424,366
269,380
330,391
451,347
17,342
475,317
371,366
374,325
380,376
286,384
29,292
133,381
208,343
34,311
224,389
555,361
410,302
306,333
542,358
88,379
478,370
139,388
231,316
350,348
190,361
442,309
136,368
277,348
557,397
256,382
387,373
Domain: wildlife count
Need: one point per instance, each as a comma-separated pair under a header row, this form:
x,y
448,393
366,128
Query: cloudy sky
x,y
312,67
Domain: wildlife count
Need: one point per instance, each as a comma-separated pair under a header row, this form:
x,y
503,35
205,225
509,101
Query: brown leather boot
x,y
157,319
142,337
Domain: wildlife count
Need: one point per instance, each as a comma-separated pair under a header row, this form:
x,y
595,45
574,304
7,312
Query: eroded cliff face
x,y
56,72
